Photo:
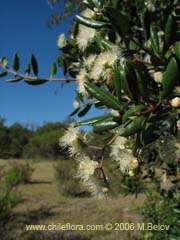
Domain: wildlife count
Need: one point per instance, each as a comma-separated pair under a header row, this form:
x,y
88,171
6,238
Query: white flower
x,y
82,77
118,145
70,137
61,41
158,76
124,156
150,6
87,13
86,168
104,61
89,61
76,104
95,190
178,124
85,36
175,102
124,160
133,164
85,172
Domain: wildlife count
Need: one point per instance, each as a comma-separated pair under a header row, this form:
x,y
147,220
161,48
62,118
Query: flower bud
x,y
131,173
133,164
61,41
175,102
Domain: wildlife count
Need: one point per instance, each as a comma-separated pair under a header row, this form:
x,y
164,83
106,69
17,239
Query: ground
x,y
42,198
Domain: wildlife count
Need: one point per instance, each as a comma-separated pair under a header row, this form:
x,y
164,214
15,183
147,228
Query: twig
x,y
35,78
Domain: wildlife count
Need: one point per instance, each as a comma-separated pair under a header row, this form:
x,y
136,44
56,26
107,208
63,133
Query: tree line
x,y
20,141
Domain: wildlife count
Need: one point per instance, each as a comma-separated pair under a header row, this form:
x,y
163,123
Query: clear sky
x,y
23,30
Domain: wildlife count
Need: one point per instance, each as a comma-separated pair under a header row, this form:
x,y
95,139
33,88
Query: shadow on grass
x,y
15,227
39,182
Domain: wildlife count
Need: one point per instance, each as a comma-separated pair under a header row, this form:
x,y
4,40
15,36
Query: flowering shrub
x,y
125,57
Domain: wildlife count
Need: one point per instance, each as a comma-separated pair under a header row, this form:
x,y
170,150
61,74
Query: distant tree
x,y
45,141
19,137
4,139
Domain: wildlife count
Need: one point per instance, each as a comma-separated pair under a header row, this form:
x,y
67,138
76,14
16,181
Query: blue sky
x,y
23,30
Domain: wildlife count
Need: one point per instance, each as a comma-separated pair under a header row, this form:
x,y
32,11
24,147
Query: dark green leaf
x,y
133,126
35,81
88,22
177,50
94,120
119,20
170,78
2,74
154,39
146,21
169,32
117,81
105,125
16,62
133,110
17,79
104,97
142,82
74,112
34,65
85,109
131,80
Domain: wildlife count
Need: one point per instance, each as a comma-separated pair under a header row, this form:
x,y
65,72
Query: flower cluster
x,y
86,166
123,155
70,140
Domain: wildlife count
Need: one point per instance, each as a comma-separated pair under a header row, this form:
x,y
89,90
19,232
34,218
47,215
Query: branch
x,y
30,78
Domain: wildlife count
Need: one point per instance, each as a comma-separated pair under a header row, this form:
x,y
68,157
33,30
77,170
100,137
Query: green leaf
x,y
169,32
149,133
131,80
88,22
118,19
35,81
177,50
85,109
53,70
170,78
103,43
3,74
133,126
104,97
74,112
142,83
117,81
146,21
105,125
4,61
16,62
154,39
17,79
34,65
28,69
62,63
133,110
94,120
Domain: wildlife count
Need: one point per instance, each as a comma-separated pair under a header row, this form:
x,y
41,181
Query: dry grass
x,y
43,192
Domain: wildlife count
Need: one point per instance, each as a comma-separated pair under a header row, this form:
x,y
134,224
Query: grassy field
x,y
42,203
